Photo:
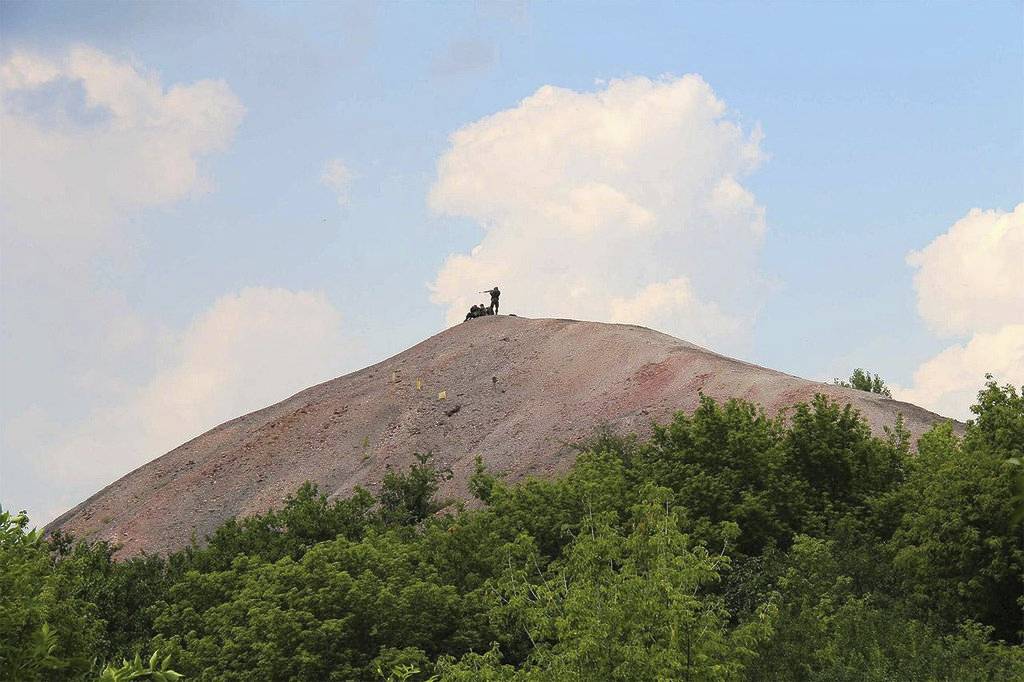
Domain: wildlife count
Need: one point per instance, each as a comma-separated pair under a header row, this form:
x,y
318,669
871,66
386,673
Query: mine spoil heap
x,y
518,392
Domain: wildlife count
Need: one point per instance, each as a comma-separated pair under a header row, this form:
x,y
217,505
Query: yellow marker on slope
x,y
419,384
442,395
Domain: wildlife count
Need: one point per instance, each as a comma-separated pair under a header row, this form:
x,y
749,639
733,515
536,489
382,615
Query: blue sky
x,y
884,125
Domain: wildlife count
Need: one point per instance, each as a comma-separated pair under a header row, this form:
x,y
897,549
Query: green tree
x,y
828,630
628,606
863,380
409,497
306,518
121,591
957,551
727,465
47,633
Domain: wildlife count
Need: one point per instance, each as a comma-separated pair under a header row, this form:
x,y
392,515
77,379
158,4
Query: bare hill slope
x,y
517,391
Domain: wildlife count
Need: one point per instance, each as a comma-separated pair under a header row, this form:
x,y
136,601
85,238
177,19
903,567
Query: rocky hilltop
x,y
516,391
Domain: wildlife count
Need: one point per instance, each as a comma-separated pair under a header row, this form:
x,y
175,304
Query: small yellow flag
x,y
442,395
419,384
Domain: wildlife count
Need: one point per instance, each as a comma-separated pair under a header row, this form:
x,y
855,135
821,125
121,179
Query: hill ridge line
x,y
522,386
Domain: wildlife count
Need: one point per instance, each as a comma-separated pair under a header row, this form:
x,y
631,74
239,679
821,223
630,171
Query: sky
x,y
209,206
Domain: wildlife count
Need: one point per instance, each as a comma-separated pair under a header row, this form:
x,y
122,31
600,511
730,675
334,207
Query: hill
x,y
516,391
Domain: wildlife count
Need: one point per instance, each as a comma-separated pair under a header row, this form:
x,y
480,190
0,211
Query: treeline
x,y
728,546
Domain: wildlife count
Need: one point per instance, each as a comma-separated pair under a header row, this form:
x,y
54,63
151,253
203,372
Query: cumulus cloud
x,y
87,136
969,279
663,305
948,383
968,283
337,176
621,204
22,71
87,141
250,349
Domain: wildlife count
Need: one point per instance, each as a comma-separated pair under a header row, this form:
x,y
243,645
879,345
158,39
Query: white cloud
x,y
621,204
968,282
248,350
71,169
949,382
87,141
969,279
664,305
337,176
23,71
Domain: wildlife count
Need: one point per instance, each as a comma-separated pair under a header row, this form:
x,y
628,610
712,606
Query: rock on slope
x,y
518,391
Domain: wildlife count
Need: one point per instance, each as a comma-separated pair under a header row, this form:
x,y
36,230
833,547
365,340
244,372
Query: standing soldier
x,y
494,299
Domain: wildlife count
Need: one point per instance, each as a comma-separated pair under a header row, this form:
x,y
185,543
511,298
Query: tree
x,y
409,498
826,631
48,634
631,604
956,549
862,380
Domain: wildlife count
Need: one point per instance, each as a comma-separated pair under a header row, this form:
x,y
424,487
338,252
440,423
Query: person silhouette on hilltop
x,y
494,299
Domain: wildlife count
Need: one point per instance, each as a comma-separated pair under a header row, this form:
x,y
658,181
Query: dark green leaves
x,y
728,546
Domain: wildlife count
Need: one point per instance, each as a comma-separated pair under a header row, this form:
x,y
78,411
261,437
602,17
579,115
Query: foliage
x,y
155,669
48,634
1018,492
862,380
958,553
628,604
829,629
120,591
727,546
306,519
409,498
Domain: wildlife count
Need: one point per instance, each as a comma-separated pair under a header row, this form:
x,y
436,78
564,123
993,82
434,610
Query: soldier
x,y
494,299
473,312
